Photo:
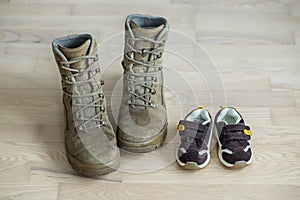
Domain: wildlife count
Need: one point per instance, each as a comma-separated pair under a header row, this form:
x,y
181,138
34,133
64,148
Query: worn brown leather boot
x,y
89,137
142,122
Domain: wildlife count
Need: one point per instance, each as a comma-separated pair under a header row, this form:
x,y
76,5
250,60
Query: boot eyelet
x,y
103,123
102,82
143,52
130,77
96,57
153,91
75,101
102,109
67,77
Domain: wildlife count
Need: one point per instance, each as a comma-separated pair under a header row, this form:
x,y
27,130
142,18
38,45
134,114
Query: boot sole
x,y
142,147
190,165
93,171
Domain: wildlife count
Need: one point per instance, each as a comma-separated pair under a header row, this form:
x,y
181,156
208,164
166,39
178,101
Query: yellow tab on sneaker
x,y
180,127
248,132
223,106
200,107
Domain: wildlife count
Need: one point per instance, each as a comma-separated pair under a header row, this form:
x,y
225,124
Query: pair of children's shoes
x,y
229,128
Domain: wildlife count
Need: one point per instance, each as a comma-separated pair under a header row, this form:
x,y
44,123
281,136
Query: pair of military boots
x,y
90,140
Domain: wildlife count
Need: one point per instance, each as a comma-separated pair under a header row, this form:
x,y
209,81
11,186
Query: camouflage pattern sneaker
x,y
233,138
89,137
195,132
142,122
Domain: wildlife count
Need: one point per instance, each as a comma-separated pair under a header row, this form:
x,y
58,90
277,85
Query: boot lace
x,y
69,81
144,79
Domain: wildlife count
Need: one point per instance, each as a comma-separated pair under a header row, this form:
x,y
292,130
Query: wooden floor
x,y
255,45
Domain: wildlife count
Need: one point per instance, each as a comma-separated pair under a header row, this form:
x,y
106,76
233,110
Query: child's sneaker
x,y
233,138
195,132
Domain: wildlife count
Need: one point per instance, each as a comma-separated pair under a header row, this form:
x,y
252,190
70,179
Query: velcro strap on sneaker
x,y
237,131
192,129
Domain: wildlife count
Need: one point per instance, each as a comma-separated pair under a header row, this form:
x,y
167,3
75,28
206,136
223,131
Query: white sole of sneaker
x,y
192,165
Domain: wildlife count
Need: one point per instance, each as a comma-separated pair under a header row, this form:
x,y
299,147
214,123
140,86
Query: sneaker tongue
x,y
238,120
70,53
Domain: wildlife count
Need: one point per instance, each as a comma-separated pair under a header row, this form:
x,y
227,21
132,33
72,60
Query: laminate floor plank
x,y
241,53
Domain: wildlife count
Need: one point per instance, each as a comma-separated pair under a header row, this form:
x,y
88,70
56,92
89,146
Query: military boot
x,y
142,121
89,137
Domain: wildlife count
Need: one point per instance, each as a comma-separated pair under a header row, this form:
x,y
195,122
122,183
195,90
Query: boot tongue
x,y
151,32
81,50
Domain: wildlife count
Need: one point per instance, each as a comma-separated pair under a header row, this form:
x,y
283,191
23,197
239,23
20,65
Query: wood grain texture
x,y
138,191
28,192
297,97
291,116
14,169
253,3
255,47
245,38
